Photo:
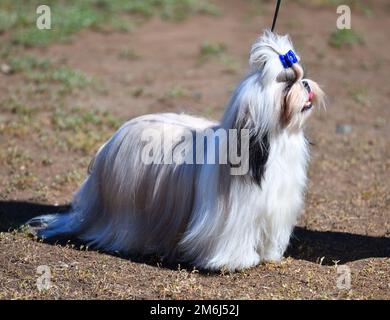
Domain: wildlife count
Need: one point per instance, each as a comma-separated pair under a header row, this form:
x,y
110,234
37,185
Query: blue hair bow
x,y
288,59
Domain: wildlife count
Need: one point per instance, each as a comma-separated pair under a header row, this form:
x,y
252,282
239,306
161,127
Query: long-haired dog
x,y
202,213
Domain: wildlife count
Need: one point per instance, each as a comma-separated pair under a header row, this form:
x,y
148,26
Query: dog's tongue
x,y
311,95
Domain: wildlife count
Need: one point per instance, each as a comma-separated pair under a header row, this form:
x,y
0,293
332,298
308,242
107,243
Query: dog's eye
x,y
287,87
306,85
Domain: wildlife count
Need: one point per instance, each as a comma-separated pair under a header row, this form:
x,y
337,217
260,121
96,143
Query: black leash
x,y
276,14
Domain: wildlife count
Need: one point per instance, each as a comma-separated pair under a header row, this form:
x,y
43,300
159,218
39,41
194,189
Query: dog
x,y
202,213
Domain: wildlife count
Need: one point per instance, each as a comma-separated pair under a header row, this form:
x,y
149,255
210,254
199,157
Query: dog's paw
x,y
241,262
272,256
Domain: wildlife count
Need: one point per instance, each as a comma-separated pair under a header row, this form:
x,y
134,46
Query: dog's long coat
x,y
200,213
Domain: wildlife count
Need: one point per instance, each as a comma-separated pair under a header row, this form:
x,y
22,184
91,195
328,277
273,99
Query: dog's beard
x,y
298,100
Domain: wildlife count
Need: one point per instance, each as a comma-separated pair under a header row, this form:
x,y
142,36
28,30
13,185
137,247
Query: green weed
x,y
69,17
344,37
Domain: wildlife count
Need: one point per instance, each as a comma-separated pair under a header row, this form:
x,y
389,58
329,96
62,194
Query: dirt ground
x,y
346,219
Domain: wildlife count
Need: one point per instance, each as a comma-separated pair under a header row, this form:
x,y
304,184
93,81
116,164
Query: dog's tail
x,y
68,225
71,224
57,225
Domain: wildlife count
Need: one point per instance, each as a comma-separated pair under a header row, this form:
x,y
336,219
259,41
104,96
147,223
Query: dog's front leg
x,y
277,239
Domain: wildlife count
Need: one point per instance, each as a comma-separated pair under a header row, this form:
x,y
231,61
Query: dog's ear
x,y
258,155
259,148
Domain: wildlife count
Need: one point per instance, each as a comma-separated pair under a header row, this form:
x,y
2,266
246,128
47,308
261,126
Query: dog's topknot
x,y
265,52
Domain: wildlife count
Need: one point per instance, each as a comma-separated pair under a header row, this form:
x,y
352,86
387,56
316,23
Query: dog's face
x,y
282,80
298,99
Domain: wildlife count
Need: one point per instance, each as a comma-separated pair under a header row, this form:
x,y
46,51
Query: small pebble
x,y
5,68
343,128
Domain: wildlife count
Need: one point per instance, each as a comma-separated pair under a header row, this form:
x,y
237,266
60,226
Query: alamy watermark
x,y
343,281
210,146
43,21
44,17
44,279
344,19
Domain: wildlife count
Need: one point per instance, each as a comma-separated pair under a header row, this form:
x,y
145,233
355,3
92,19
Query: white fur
x,y
197,213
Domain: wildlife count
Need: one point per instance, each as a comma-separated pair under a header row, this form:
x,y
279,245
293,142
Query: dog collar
x,y
288,59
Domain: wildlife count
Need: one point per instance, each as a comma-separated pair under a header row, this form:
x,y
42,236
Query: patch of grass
x,y
69,17
6,51
16,158
83,130
17,129
28,63
86,142
7,20
209,49
43,71
121,24
74,176
129,54
169,9
70,78
23,180
34,37
177,92
344,37
79,119
231,64
356,5
255,11
360,96
66,78
180,9
19,108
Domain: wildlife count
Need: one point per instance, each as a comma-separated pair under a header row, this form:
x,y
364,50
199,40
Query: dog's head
x,y
283,82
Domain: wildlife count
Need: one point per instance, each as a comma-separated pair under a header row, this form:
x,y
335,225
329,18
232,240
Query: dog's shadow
x,y
310,245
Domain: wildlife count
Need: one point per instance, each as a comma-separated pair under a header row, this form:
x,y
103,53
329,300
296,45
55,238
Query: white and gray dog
x,y
202,213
